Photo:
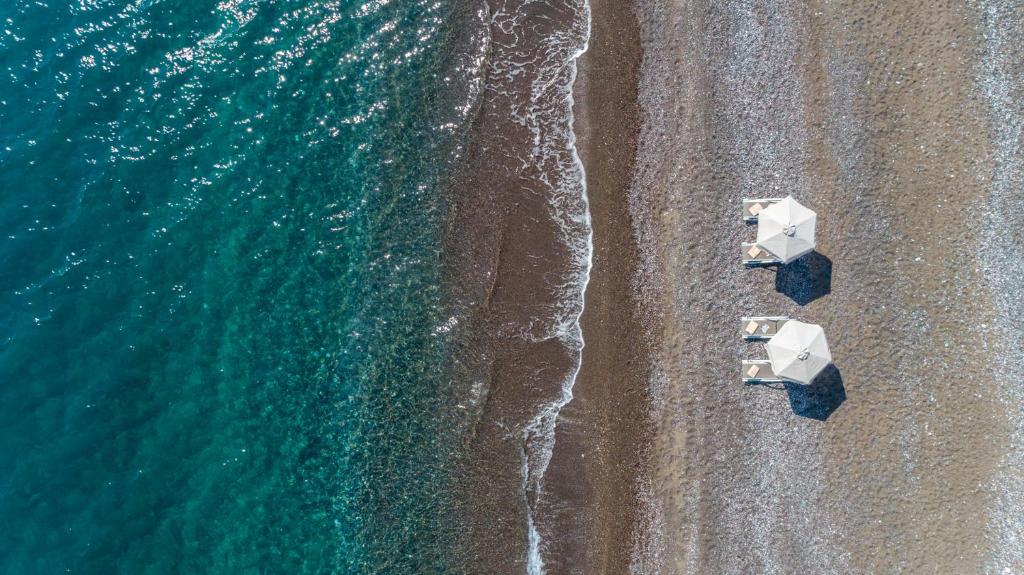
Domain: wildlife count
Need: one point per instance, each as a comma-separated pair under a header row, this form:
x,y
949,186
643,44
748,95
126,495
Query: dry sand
x,y
878,116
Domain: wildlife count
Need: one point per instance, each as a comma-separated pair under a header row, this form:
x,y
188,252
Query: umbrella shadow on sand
x,y
806,279
821,398
818,400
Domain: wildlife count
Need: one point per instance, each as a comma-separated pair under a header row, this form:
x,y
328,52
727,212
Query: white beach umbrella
x,y
786,229
798,352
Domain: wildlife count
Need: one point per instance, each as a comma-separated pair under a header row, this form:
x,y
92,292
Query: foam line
x,y
540,432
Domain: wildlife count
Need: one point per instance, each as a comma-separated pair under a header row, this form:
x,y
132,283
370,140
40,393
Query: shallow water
x,y
224,339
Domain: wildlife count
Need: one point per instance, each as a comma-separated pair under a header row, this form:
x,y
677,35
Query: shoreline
x,y
518,245
592,511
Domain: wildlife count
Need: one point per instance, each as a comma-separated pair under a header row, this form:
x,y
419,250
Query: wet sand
x,y
591,513
518,246
875,116
516,267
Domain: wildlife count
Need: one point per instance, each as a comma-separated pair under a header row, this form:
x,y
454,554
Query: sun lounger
x,y
753,207
761,328
755,255
758,371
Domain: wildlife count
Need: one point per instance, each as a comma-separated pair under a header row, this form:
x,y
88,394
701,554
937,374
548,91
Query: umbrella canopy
x,y
786,229
798,352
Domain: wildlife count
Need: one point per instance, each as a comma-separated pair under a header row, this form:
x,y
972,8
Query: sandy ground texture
x,y
900,124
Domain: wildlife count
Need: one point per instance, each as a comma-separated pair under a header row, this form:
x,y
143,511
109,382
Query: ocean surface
x,y
224,337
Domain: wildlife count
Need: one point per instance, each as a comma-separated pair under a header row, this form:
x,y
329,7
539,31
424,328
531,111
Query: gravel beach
x,y
891,122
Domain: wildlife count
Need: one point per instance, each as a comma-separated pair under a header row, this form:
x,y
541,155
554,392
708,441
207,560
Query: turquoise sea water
x,y
223,335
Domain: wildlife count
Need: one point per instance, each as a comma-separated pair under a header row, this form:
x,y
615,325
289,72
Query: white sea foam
x,y
549,118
